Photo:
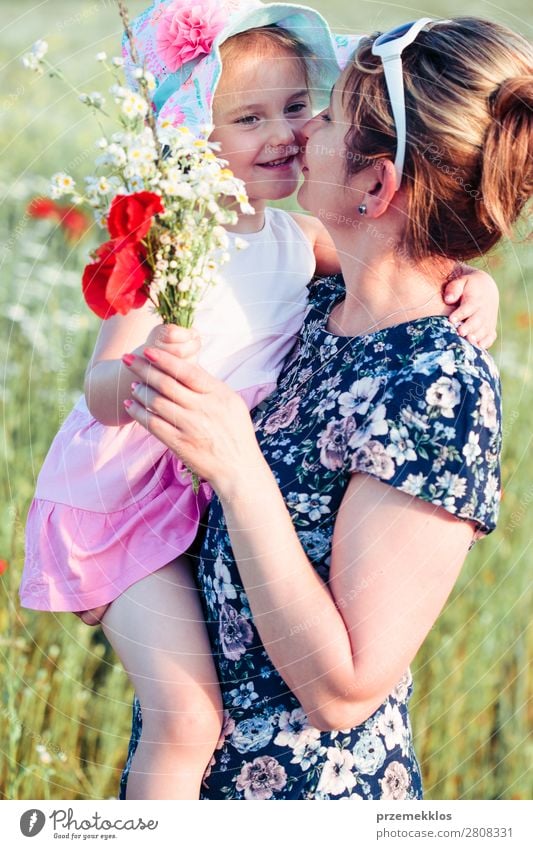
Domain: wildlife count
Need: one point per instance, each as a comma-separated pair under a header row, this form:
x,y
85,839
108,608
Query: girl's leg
x,y
93,616
157,629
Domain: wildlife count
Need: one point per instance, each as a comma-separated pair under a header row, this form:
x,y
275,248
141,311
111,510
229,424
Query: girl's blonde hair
x,y
260,39
469,103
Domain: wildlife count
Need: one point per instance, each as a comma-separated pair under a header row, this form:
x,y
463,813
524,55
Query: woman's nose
x,y
310,126
307,129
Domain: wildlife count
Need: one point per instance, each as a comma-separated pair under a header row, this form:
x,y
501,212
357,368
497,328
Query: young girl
x,y
114,513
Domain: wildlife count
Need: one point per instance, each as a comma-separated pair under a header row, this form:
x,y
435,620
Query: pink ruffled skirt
x,y
112,505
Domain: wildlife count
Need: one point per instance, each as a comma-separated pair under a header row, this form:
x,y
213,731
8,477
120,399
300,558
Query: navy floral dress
x,y
413,405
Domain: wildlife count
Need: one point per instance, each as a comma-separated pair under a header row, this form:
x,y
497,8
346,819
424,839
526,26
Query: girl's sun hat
x,y
178,41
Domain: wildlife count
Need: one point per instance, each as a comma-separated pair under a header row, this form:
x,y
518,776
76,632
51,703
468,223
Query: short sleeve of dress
x,y
432,429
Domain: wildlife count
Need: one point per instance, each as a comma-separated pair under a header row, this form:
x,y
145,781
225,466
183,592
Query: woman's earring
x,y
362,209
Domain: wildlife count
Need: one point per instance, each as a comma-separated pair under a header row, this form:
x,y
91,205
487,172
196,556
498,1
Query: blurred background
x,y
65,702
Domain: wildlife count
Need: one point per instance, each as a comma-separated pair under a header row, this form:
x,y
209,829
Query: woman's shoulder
x,y
431,348
432,424
451,384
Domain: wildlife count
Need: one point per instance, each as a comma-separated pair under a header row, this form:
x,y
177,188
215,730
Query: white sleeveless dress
x,y
113,504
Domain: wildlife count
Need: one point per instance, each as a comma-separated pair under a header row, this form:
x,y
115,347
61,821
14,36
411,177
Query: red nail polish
x,y
134,385
127,359
150,355
127,403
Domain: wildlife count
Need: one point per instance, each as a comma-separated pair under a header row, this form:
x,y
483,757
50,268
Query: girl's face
x,y
324,191
259,110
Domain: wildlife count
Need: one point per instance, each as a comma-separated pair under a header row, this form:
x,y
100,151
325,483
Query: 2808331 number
x,y
489,831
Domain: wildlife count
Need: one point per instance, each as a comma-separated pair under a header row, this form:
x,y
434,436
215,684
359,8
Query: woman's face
x,y
324,191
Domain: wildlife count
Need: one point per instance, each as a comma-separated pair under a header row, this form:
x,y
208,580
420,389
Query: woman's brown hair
x,y
469,162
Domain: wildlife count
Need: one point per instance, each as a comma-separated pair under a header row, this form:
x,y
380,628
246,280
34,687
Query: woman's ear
x,y
380,193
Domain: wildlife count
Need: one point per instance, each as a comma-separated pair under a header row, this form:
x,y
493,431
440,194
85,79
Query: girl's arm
x,y
107,380
478,300
327,261
341,647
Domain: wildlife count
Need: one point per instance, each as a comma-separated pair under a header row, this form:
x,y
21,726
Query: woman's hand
x,y
198,417
477,311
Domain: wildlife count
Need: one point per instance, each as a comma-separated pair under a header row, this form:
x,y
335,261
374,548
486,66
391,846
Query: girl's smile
x,y
259,111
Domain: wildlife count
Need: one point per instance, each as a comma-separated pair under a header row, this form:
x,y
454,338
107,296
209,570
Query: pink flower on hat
x,y
187,30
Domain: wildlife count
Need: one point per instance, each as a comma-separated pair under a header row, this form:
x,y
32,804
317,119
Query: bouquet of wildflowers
x,y
163,195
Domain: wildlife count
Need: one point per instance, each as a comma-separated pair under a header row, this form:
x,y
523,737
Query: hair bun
x,y
515,93
507,179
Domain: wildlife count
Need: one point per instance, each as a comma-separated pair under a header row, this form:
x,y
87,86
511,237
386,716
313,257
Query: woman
x,y
345,511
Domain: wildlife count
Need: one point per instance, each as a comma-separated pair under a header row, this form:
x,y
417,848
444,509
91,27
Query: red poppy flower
x,y
72,221
116,282
75,223
130,216
43,208
4,566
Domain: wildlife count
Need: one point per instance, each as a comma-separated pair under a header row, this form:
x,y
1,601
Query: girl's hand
x,y
198,417
477,313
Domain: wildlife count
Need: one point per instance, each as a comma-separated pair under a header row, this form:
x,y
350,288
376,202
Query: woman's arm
x,y
394,562
341,648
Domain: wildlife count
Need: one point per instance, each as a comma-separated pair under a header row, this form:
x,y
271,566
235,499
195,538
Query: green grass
x,y
64,703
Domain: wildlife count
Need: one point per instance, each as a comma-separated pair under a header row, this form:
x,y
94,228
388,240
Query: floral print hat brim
x,y
178,42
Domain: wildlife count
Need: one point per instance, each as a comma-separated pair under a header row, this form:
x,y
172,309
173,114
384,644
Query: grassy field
x,y
64,701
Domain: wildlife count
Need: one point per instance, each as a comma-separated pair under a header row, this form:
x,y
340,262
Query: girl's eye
x,y
297,107
324,116
247,119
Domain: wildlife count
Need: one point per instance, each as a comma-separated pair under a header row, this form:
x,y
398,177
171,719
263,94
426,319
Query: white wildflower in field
x,y
146,77
16,312
136,184
113,154
29,61
97,99
176,185
103,186
40,49
94,99
119,92
245,206
141,154
134,106
150,81
44,755
62,184
34,59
